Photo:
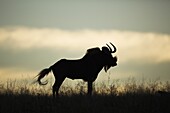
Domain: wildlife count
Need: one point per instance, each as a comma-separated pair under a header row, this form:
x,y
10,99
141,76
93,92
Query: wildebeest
x,y
86,68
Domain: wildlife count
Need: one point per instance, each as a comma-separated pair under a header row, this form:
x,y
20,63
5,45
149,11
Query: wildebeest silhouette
x,y
86,68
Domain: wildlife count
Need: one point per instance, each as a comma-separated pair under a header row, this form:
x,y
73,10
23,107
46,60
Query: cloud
x,y
32,49
148,47
131,45
26,38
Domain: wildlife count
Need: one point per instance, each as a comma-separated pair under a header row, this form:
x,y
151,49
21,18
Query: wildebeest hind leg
x,y
56,86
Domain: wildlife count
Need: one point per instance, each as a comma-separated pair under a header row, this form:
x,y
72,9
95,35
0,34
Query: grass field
x,y
129,97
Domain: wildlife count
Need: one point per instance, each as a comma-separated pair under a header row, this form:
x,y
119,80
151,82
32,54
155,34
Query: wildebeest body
x,y
86,68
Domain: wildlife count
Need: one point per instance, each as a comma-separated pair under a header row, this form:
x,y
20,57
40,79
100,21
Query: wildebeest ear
x,y
105,49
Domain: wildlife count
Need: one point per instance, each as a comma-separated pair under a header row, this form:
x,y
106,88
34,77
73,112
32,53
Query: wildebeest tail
x,y
42,74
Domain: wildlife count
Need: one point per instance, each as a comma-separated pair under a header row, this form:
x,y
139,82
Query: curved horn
x,y
111,49
114,48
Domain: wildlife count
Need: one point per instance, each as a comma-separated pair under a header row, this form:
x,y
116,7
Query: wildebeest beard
x,y
107,67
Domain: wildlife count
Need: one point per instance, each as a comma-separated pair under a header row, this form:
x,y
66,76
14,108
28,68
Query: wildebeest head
x,y
109,60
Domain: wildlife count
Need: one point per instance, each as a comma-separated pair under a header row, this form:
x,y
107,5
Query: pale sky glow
x,y
134,48
131,45
35,34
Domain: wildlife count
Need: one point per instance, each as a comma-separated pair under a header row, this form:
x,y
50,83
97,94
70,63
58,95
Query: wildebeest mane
x,y
92,51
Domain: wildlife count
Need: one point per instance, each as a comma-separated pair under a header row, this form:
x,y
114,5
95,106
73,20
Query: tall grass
x,y
131,96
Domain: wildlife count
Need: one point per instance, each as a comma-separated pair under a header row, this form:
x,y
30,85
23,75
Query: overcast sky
x,y
135,15
35,34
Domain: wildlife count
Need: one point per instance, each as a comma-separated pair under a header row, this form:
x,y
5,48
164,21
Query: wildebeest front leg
x,y
90,87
